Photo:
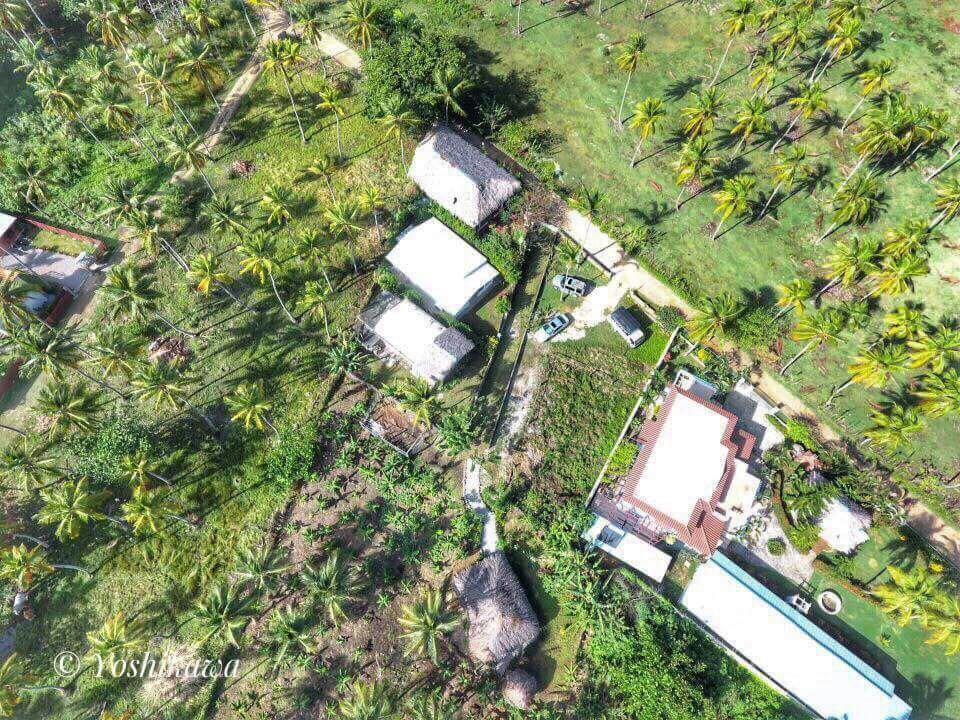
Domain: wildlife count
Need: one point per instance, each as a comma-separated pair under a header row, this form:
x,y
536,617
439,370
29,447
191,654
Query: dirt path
x,y
473,477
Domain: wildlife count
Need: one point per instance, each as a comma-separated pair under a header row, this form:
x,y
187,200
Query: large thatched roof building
x,y
502,622
459,177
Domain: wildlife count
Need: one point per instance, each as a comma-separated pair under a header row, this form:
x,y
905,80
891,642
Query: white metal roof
x,y
687,461
6,222
628,549
787,647
444,266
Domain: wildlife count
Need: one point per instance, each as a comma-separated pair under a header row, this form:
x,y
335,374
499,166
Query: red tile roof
x,y
704,529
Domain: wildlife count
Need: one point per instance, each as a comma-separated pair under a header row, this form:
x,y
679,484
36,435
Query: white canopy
x,y
6,222
628,549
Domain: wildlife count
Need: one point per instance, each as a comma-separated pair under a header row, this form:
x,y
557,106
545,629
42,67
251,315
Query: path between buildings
x,y
473,475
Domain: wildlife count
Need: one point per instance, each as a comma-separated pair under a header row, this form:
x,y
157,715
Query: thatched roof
x,y
459,177
502,622
519,687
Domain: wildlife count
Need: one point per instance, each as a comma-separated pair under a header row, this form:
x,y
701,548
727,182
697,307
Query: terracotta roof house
x,y
691,481
459,177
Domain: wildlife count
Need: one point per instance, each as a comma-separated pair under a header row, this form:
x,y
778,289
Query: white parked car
x,y
571,285
553,327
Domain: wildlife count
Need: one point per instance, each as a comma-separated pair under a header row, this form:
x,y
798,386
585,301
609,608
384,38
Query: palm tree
x,y
790,169
115,349
58,97
948,201
334,584
935,349
312,24
282,56
896,274
333,100
738,16
322,169
718,314
68,406
944,623
115,639
371,200
120,199
850,261
146,509
132,293
117,22
205,273
815,329
874,367
425,622
199,67
12,16
395,118
940,393
28,464
314,245
844,40
589,202
806,501
188,153
118,114
450,88
430,706
646,119
456,431
794,296
22,566
874,80
226,215
794,34
250,405
633,56
200,16
278,201
765,66
693,165
910,237
164,385
888,129
224,613
343,220
155,81
140,470
314,301
894,425
702,115
70,506
750,120
733,198
259,259
807,100
909,595
418,399
855,202
367,701
14,292
905,322
362,19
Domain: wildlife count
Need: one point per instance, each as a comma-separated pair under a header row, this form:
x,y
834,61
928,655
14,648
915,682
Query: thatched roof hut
x,y
518,688
502,622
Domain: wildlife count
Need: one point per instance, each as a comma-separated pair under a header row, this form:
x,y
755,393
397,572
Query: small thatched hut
x,y
519,687
502,622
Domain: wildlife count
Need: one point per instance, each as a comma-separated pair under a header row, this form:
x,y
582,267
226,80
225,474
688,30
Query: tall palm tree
x,y
874,367
164,385
396,119
807,100
910,237
198,65
121,198
314,302
909,594
343,221
874,80
843,41
790,169
418,399
750,120
450,88
905,322
794,34
287,632
68,406
14,292
259,252
362,18
948,201
118,114
794,296
425,622
116,350
250,404
738,16
896,274
333,100
943,622
70,506
322,169
630,59
206,273
850,261
283,56
117,22
894,425
186,152
156,82
855,202
132,293
940,393
733,198
366,700
887,130
716,316
647,116
224,613
334,585
13,15
140,470
278,201
58,97
200,16
226,215
693,165
28,464
815,329
935,348
701,117
146,509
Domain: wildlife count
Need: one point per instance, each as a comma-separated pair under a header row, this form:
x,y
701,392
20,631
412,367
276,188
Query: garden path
x,y
473,475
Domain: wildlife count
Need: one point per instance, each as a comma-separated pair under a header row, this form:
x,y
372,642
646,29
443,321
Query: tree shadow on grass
x,y
679,89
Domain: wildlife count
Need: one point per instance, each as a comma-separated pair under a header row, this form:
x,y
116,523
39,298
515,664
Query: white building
x,y
450,273
459,177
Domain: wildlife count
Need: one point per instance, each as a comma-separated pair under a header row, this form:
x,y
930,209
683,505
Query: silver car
x,y
553,327
571,285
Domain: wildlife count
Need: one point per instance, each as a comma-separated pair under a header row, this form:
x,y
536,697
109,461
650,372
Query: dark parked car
x,y
627,326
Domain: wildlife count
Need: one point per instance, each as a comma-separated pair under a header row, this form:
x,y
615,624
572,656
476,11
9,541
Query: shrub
x,y
757,328
387,280
670,317
502,249
776,546
502,304
623,458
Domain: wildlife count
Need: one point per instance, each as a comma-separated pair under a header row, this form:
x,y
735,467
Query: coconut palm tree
x,y
647,116
843,41
948,201
396,119
14,292
23,566
750,120
117,113
184,152
250,404
806,501
259,567
940,393
278,201
283,56
874,367
68,406
116,350
314,302
226,215
737,16
120,199
701,117
27,463
371,199
14,683
199,15
117,22
815,329
140,470
259,252
13,15
935,348
58,97
425,622
343,221
888,129
807,100
874,80
894,425
850,261
132,293
70,506
115,639
322,169
334,585
366,700
451,86
794,34
206,273
146,509
362,19
855,202
909,595
951,156
766,65
794,296
332,100
943,621
790,169
716,316
910,237
905,322
694,165
896,274
198,66
418,399
163,384
630,59
733,198
155,80
224,612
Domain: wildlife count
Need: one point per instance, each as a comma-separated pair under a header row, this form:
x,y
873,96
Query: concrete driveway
x,y
62,269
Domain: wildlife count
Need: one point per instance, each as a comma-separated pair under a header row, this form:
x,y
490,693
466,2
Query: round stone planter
x,y
830,602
